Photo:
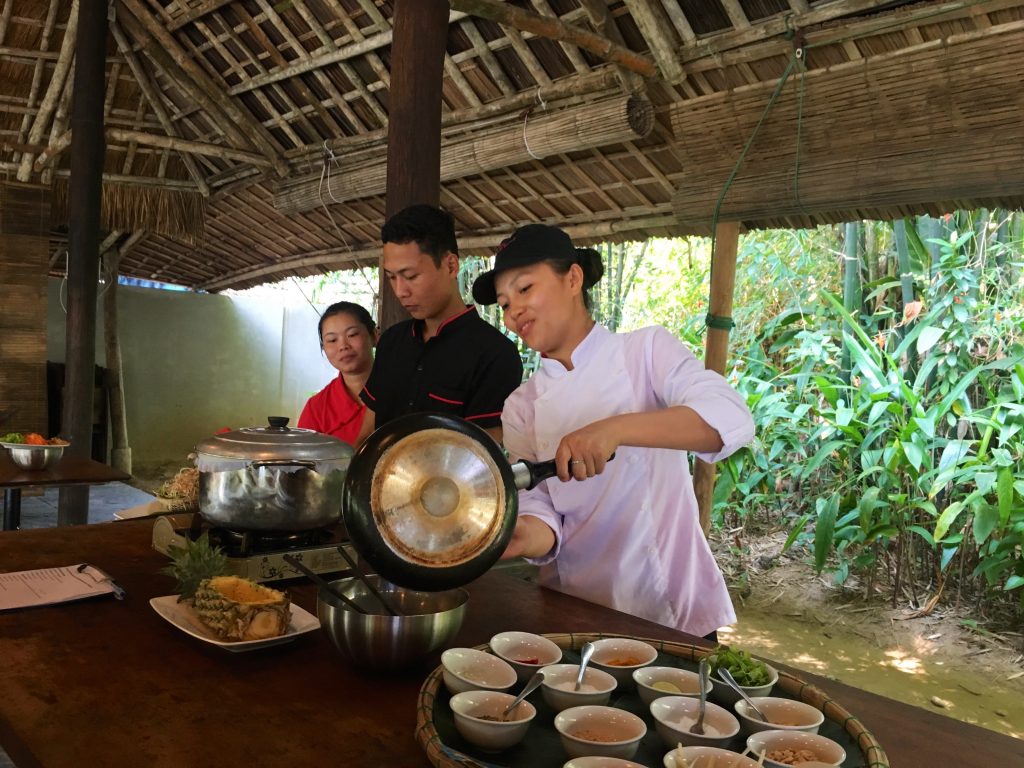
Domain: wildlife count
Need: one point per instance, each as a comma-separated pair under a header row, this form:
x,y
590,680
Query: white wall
x,y
194,363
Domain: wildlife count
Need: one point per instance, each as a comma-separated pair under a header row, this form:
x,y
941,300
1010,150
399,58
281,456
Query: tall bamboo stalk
x,y
851,282
906,283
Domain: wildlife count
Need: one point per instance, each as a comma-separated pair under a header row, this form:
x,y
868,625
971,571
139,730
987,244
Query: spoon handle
x,y
727,676
704,671
588,651
531,686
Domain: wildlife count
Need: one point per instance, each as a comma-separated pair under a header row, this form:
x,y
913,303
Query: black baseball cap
x,y
530,244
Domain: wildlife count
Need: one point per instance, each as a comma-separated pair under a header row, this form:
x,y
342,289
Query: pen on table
x,y
119,592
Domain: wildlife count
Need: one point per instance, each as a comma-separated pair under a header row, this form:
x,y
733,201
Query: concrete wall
x,y
194,363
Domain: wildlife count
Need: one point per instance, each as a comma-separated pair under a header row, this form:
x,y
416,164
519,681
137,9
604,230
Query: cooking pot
x,y
430,501
272,478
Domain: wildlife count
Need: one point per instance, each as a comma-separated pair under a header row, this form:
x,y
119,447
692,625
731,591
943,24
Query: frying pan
x,y
430,500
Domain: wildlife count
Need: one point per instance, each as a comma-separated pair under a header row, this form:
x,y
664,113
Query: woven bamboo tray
x,y
862,750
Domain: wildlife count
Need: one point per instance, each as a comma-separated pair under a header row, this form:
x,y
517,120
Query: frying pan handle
x,y
530,474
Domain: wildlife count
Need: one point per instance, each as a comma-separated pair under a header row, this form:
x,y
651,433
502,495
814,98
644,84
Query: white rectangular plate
x,y
184,617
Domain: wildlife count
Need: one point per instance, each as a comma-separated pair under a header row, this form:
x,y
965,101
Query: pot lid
x,y
275,441
429,501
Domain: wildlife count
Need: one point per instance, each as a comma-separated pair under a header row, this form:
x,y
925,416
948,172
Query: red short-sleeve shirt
x,y
334,411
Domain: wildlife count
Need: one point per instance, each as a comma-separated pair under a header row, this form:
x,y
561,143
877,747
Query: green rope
x,y
799,126
718,321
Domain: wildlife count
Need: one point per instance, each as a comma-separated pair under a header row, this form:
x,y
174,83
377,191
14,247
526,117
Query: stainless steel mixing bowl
x,y
383,642
34,457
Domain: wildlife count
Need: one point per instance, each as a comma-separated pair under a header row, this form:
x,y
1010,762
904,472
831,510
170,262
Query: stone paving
x,y
40,511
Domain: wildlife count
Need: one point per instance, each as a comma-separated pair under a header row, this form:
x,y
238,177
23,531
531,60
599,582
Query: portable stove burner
x,y
247,543
260,555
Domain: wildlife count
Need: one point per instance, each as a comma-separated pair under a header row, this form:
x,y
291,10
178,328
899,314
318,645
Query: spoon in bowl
x,y
698,727
588,651
531,686
726,675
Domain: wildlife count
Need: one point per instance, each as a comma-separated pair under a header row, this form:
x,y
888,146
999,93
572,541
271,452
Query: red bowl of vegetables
x,y
32,451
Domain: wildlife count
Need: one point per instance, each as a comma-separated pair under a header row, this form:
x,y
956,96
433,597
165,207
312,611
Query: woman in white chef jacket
x,y
629,537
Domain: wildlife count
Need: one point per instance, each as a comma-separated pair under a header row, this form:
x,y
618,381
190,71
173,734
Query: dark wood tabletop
x,y
70,470
103,682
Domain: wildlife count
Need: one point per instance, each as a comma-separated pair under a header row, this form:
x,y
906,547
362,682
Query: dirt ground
x,y
940,661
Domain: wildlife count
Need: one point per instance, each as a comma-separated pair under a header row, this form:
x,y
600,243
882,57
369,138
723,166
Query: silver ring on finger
x,y
577,461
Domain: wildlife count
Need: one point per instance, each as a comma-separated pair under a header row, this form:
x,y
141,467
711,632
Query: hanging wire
x,y
329,159
711,320
526,119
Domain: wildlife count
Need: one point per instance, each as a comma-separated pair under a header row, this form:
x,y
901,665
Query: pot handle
x,y
530,474
284,463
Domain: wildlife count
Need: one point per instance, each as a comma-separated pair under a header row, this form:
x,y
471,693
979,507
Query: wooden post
x,y
716,345
87,151
414,123
121,452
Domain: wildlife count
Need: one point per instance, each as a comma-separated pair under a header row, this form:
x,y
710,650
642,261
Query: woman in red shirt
x,y
347,336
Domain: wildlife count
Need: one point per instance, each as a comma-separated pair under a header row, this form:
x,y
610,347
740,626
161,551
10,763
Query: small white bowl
x,y
518,647
727,697
673,716
601,762
467,669
782,714
825,750
612,649
560,680
618,732
471,707
687,683
720,758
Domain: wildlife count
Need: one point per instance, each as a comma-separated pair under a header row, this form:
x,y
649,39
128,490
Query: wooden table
x,y
70,470
111,683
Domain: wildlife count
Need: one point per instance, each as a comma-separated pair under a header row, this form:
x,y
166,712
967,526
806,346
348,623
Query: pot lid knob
x,y
278,422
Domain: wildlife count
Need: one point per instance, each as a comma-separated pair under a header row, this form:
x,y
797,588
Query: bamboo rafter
x,y
165,142
554,28
612,121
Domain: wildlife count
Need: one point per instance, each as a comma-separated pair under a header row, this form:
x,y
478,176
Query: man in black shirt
x,y
446,359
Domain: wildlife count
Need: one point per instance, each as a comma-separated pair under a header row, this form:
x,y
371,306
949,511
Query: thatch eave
x,y
212,105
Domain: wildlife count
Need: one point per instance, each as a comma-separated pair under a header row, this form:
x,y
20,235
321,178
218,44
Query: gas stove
x,y
259,556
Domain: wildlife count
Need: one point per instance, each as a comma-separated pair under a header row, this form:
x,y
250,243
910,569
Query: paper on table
x,y
46,586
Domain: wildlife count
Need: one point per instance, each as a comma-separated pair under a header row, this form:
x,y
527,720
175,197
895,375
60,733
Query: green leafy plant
x,y
196,561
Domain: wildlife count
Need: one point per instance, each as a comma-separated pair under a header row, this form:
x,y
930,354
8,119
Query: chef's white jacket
x,y
629,538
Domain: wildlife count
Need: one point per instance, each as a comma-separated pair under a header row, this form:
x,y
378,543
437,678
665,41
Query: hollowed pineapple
x,y
239,609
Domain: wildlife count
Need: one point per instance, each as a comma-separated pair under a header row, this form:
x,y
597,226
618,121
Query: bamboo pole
x,y
555,29
594,84
716,345
601,18
661,45
53,90
149,90
338,258
364,46
87,153
204,85
624,118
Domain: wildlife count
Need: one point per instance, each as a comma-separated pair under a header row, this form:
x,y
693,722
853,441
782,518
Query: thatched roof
x,y
246,139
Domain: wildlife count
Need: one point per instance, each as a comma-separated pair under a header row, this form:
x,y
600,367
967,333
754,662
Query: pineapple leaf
x,y
193,563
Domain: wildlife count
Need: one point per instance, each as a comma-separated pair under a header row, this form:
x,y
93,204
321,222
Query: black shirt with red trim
x,y
466,369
